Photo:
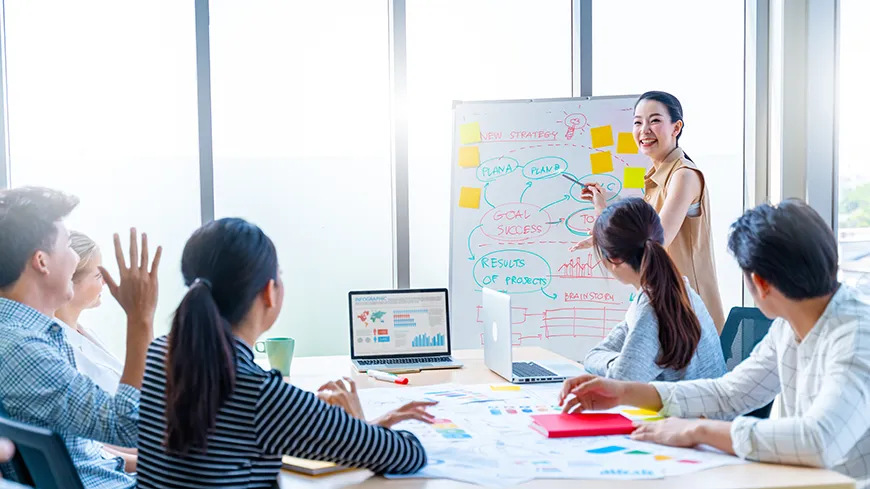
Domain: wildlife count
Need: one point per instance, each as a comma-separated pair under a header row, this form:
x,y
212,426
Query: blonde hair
x,y
87,250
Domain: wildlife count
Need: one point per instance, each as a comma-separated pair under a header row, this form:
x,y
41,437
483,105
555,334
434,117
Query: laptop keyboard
x,y
527,369
405,361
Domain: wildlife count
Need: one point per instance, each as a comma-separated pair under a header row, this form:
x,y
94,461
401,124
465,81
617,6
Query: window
x,y
301,119
469,50
673,48
102,104
854,170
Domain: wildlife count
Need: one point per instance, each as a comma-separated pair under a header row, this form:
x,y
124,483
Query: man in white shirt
x,y
817,354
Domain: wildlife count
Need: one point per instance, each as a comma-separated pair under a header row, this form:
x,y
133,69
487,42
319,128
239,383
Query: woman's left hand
x,y
674,432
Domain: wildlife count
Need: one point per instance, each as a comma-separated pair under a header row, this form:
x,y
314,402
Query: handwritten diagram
x,y
518,181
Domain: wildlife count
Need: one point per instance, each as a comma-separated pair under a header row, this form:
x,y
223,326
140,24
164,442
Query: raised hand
x,y
137,289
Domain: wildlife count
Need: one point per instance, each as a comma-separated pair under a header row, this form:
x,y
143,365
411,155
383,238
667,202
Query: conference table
x,y
311,372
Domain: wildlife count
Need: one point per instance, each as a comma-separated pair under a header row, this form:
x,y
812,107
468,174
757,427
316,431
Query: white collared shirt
x,y
93,359
825,386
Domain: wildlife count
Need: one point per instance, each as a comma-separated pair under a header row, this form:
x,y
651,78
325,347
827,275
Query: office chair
x,y
41,458
743,329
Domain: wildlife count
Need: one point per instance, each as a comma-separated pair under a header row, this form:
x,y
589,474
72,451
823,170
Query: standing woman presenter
x,y
676,188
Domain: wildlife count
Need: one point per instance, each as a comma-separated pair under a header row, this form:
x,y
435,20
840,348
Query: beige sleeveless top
x,y
692,248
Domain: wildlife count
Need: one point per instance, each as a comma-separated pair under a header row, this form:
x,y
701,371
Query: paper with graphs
x,y
482,436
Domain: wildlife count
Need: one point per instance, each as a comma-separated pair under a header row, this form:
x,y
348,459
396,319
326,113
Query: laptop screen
x,y
407,322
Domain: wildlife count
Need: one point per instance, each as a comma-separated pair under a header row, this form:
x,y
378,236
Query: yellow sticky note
x,y
601,162
654,418
602,136
662,458
505,387
633,177
625,144
469,133
469,197
640,412
469,157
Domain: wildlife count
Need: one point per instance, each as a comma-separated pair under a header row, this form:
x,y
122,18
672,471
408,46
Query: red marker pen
x,y
386,377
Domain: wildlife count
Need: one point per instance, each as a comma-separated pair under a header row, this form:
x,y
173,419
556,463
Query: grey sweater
x,y
630,351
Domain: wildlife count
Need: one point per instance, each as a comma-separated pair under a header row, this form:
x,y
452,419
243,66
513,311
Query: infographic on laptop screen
x,y
399,324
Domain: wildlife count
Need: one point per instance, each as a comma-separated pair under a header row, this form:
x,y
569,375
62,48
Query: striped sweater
x,y
264,418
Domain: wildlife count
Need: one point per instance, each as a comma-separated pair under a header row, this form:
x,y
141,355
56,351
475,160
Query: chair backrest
x,y
42,460
743,329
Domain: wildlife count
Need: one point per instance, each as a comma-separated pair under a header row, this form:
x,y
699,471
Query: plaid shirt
x,y
39,385
825,386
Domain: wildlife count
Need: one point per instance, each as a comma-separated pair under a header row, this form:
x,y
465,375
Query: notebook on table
x,y
310,467
583,424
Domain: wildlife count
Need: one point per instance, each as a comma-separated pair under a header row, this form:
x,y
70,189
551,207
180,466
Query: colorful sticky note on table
x,y
505,387
469,197
602,136
625,144
606,450
640,412
469,156
652,418
602,162
469,133
633,177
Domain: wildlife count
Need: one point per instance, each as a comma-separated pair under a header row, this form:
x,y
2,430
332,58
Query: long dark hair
x,y
631,232
675,110
226,264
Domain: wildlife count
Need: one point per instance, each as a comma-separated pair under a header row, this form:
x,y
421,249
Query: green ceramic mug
x,y
279,351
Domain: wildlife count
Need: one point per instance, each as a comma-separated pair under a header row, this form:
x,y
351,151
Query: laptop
x,y
498,348
397,330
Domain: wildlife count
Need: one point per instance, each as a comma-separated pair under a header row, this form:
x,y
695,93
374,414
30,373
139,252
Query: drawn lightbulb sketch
x,y
574,122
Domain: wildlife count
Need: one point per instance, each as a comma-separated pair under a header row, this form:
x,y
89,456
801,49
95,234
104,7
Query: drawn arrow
x,y
528,186
485,187
469,241
553,296
560,221
563,199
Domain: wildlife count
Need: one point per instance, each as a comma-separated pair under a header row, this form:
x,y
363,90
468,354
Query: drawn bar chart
x,y
424,340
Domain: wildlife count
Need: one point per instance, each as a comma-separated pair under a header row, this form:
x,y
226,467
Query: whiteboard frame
x,y
454,163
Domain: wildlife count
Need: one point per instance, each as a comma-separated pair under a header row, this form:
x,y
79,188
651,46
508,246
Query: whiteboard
x,y
514,216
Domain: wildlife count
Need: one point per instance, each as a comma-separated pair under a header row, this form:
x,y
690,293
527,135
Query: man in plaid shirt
x,y
39,384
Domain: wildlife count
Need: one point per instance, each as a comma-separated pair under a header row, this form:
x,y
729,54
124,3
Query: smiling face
x,y
654,131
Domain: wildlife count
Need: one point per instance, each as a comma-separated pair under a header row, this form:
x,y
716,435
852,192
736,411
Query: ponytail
x,y
679,328
200,369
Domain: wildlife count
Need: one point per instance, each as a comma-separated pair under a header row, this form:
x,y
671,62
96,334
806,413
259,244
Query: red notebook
x,y
583,424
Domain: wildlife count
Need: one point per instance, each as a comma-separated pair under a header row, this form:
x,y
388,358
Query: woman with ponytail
x,y
667,335
211,417
676,188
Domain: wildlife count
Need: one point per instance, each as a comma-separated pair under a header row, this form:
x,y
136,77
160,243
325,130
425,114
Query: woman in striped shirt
x,y
210,417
